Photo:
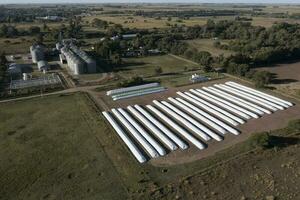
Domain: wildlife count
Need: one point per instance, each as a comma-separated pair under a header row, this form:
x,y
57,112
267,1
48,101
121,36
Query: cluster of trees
x,y
136,80
29,14
9,31
99,23
254,45
110,50
264,46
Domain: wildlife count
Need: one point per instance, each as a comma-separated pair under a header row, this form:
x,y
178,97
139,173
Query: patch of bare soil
x,y
263,174
285,73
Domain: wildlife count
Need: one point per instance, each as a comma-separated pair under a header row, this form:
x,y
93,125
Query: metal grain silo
x,y
91,65
43,65
78,66
37,53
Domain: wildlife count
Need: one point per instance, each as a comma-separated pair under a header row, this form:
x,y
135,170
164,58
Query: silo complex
x,y
77,60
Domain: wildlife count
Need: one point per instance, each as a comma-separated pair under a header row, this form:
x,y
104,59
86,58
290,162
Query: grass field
x,y
208,45
269,21
145,66
16,45
50,151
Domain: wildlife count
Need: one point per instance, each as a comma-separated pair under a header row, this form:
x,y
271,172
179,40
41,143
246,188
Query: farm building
x,y
195,78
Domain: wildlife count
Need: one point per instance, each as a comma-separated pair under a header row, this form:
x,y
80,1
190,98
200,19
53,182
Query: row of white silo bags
x,y
236,100
137,135
181,144
138,93
151,143
206,106
131,146
154,129
133,88
206,114
140,129
268,97
242,102
227,105
249,97
184,121
206,100
207,132
178,128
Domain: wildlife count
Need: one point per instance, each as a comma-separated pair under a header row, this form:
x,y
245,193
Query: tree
x,y
189,53
115,30
158,70
262,78
45,27
116,59
260,140
99,23
34,30
40,38
3,60
204,58
3,30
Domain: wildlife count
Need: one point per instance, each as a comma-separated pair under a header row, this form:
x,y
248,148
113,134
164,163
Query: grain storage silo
x,y
37,53
43,65
58,46
78,66
91,65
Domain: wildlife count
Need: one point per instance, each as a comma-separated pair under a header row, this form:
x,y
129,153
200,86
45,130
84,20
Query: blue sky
x,y
150,1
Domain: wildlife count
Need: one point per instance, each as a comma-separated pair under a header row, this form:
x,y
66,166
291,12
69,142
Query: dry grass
x,y
268,22
15,45
208,45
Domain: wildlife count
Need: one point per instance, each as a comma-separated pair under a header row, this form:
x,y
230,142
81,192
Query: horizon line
x,y
153,3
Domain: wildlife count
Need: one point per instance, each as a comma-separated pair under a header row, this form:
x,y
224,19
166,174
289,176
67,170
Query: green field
x,y
15,45
145,66
50,151
208,45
